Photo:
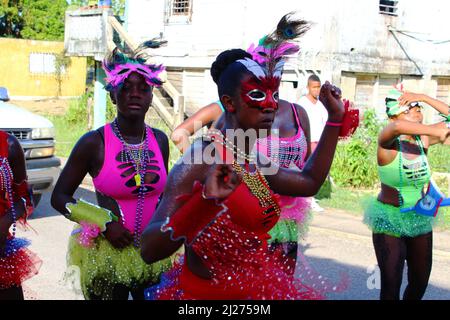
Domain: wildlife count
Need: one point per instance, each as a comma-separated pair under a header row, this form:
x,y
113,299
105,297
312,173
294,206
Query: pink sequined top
x,y
286,151
116,178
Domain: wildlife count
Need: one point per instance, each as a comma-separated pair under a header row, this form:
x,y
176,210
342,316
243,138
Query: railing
x,y
178,99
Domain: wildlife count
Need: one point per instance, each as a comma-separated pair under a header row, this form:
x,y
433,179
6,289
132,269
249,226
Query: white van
x,y
36,134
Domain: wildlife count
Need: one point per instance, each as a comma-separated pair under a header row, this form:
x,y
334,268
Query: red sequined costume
x,y
17,263
231,240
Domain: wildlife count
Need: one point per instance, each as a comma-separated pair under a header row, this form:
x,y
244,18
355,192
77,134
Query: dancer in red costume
x,y
17,263
223,212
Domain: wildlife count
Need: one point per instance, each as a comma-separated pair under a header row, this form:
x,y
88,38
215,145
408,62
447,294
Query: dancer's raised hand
x,y
330,96
221,181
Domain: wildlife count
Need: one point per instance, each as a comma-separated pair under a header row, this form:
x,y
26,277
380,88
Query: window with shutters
x,y
389,7
178,11
42,63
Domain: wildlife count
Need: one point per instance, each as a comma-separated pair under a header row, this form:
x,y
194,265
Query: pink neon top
x,y
116,178
286,151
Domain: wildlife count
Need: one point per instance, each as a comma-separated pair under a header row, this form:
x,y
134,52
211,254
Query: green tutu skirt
x,y
102,266
387,219
288,230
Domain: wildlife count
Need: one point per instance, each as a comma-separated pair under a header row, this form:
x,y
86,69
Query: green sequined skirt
x,y
387,219
102,267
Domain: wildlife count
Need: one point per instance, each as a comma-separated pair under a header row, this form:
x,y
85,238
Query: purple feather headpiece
x,y
117,76
118,66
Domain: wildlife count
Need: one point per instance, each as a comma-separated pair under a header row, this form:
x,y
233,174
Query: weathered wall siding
x,y
193,90
443,89
348,86
210,88
344,25
15,75
350,36
176,79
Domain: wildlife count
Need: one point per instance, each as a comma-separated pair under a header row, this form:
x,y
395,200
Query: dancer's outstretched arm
x,y
409,97
388,136
308,182
202,117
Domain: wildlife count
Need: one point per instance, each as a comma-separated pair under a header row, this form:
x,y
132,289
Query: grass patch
x,y
67,135
439,158
347,199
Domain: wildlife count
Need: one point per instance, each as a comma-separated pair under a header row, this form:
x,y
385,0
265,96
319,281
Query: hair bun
x,y
224,59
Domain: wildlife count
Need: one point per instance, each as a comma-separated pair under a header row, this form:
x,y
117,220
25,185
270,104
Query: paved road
x,y
337,242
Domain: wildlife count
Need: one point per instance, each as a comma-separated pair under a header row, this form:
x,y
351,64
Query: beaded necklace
x,y
400,166
6,181
255,181
138,158
213,134
258,186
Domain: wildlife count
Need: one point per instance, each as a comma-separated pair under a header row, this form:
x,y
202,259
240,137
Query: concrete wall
x,y
15,70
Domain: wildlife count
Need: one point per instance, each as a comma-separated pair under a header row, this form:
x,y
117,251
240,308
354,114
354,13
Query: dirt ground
x,y
44,107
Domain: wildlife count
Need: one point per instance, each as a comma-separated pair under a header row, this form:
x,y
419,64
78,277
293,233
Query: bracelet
x,y
334,124
204,196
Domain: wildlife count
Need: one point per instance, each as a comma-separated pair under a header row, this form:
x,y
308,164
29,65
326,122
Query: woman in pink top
x,y
290,148
128,163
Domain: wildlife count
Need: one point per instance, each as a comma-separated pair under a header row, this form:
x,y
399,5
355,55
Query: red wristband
x,y
334,124
193,216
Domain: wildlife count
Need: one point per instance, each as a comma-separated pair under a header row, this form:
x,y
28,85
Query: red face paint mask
x,y
261,93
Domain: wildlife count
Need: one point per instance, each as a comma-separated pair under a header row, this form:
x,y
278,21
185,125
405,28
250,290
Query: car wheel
x,y
36,199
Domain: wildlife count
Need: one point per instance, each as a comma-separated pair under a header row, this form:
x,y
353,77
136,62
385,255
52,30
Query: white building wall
x,y
349,36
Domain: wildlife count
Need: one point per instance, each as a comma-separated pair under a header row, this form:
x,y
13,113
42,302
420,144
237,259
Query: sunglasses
x,y
413,105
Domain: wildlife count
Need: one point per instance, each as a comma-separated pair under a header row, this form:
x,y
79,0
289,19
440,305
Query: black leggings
x,y
121,292
13,293
289,248
391,254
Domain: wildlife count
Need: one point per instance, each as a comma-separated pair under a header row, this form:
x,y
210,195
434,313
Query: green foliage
x,y
325,190
11,21
439,158
355,163
118,6
62,62
111,109
77,114
40,19
44,19
67,135
33,19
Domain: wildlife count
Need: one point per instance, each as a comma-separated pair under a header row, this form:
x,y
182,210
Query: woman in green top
x,y
404,172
